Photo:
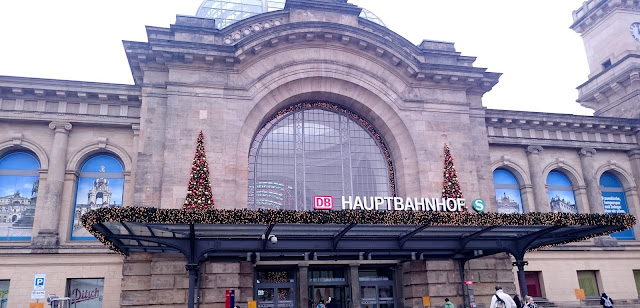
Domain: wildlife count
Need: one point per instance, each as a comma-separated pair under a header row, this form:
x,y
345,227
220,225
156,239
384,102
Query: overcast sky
x,y
541,59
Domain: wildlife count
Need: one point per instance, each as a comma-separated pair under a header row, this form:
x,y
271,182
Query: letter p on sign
x,y
322,202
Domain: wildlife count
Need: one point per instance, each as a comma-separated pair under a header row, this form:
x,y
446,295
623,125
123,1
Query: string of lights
x,y
267,217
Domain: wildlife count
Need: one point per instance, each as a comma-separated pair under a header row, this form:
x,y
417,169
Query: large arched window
x,y
317,149
614,201
561,195
507,192
19,180
101,184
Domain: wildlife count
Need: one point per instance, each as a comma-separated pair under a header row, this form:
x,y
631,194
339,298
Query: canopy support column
x,y
463,279
193,270
520,263
193,266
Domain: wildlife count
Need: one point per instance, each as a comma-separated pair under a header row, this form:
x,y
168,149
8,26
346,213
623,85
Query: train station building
x,y
344,162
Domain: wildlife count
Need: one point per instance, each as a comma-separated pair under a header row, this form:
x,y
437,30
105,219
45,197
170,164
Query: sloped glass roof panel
x,y
227,12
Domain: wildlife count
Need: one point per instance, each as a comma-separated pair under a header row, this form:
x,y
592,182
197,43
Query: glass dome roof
x,y
227,12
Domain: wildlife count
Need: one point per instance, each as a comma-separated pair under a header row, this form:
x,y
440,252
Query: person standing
x,y
516,300
529,303
606,301
501,299
448,303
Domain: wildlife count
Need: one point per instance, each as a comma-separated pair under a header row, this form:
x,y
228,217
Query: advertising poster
x,y
615,203
86,293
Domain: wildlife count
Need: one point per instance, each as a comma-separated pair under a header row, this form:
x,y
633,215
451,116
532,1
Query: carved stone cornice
x,y
61,127
534,149
587,152
593,12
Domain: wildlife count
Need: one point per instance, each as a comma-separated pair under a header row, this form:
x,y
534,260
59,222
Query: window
x,y
85,293
614,202
507,192
561,197
4,293
636,276
606,64
377,287
101,184
19,179
318,149
532,280
589,283
275,288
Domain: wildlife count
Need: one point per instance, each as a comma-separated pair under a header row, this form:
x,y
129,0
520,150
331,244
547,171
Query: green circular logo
x,y
479,205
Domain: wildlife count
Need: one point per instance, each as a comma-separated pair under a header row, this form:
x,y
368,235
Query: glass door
x,y
376,288
275,289
328,288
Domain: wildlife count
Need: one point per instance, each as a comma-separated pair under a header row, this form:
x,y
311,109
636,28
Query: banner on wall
x,y
615,203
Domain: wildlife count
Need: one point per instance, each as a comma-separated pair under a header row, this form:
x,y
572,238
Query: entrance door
x,y
332,296
376,296
533,283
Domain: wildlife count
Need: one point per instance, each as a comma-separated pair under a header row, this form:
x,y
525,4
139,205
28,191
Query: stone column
x,y
593,186
538,181
50,213
303,281
354,282
632,197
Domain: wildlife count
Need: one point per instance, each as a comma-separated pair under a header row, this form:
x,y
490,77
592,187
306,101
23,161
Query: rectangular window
x,y
589,283
606,64
533,283
4,293
85,293
636,275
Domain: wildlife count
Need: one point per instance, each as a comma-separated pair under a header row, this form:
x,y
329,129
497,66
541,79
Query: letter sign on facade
x,y
322,202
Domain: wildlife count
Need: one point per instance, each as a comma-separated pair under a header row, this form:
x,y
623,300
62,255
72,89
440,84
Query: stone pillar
x,y
354,282
538,181
50,213
303,280
593,186
632,197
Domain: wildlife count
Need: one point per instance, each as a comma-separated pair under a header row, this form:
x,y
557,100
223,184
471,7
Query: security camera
x,y
273,239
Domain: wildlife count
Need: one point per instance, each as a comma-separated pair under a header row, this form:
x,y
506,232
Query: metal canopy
x,y
298,235
337,241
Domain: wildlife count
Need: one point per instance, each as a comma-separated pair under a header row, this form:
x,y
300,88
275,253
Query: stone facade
x,y
226,83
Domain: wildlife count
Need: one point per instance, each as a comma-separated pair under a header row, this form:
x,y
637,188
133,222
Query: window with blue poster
x,y
614,202
561,197
100,184
19,180
508,196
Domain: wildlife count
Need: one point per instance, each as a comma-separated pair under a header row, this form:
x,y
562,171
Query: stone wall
x,y
440,279
161,280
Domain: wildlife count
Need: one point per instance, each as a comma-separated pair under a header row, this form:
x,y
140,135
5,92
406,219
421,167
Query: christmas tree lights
x,y
199,194
451,186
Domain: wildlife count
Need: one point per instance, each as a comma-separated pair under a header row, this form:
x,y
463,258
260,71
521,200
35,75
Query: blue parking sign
x,y
38,281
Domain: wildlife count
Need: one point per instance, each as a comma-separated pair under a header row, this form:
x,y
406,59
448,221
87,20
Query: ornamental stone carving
x,y
587,152
61,127
534,149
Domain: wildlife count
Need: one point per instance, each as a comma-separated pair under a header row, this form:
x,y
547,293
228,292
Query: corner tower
x,y
610,30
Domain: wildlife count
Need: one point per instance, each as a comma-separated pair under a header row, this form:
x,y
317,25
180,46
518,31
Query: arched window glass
x,y
19,179
561,195
507,192
101,184
614,201
317,149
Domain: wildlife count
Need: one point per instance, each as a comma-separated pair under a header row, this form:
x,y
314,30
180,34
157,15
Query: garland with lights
x,y
451,186
267,217
199,194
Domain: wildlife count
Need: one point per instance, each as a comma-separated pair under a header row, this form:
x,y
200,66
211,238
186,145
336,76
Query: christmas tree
x,y
451,186
199,192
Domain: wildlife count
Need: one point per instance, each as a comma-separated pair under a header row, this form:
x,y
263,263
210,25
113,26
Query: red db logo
x,y
322,202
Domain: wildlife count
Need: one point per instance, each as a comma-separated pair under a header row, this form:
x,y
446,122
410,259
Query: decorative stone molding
x,y
245,31
136,129
587,152
61,127
17,139
102,142
534,149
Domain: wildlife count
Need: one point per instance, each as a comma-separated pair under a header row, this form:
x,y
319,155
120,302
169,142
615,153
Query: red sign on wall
x,y
322,202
